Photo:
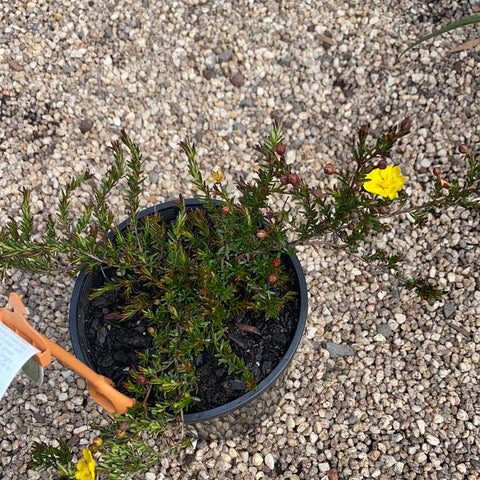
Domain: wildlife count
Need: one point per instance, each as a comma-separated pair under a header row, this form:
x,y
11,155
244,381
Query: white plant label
x,y
14,353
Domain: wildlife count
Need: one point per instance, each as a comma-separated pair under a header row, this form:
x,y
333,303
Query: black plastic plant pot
x,y
234,417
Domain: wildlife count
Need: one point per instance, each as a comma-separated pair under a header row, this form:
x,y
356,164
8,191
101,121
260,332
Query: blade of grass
x,y
458,24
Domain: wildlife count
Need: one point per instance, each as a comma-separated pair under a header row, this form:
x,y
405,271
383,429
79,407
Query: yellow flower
x,y
385,182
216,176
86,467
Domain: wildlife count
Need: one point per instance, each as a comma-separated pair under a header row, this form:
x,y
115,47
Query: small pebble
x,y
432,440
269,461
385,330
257,459
237,79
339,351
448,310
85,125
225,56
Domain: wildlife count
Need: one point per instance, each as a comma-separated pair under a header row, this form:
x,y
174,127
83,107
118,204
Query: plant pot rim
x,y
247,397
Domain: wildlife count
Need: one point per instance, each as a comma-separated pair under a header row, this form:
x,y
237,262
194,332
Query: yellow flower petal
x,y
385,182
86,467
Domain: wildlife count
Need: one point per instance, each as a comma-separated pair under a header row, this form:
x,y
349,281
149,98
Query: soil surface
x,y
112,348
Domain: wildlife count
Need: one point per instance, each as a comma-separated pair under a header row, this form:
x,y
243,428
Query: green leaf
x,y
45,456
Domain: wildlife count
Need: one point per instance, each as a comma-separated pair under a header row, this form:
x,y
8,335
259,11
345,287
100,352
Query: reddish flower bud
x,y
328,169
281,149
97,442
382,164
276,262
142,379
150,330
125,426
406,125
272,278
383,210
284,180
463,149
436,171
261,234
225,210
293,179
95,445
363,130
443,183
119,433
316,192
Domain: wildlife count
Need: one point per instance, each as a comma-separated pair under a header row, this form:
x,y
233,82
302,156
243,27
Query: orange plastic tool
x,y
101,388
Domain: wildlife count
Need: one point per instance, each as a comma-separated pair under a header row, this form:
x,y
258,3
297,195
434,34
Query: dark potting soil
x,y
112,347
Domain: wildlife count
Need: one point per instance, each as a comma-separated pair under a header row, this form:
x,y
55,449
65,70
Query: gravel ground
x,y
384,386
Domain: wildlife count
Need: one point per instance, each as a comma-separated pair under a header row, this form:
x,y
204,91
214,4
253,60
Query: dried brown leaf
x,y
466,46
14,64
113,316
323,38
248,328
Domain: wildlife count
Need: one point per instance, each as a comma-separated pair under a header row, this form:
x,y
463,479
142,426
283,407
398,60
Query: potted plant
x,y
194,281
225,403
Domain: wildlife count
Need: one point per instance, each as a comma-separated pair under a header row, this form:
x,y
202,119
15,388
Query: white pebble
x,y
323,467
432,440
462,415
42,398
421,426
420,457
269,461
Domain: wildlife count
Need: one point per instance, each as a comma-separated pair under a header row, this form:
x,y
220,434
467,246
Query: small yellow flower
x,y
385,182
216,176
86,467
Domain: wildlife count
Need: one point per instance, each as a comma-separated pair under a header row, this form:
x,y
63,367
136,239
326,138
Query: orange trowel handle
x,y
100,387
